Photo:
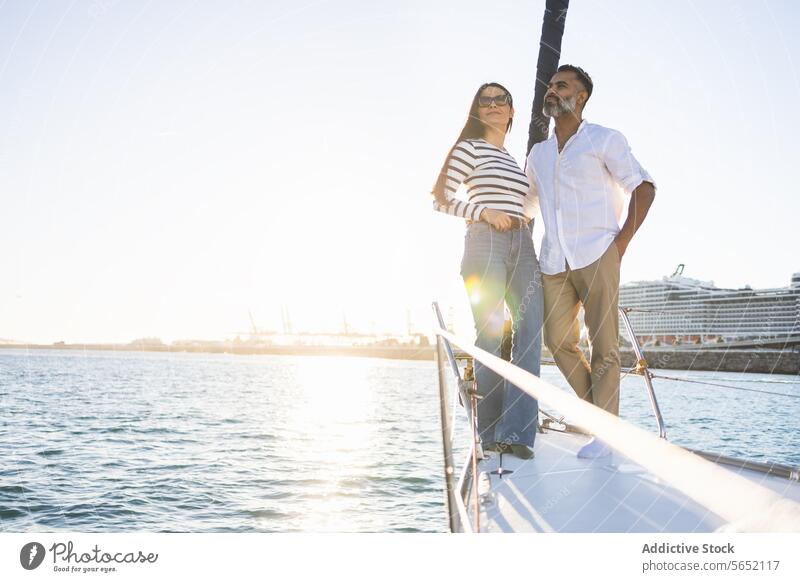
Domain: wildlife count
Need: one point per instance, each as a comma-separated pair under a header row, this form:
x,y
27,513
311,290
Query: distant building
x,y
147,342
678,309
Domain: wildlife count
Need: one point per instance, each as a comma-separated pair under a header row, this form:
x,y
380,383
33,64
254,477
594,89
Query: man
x,y
581,174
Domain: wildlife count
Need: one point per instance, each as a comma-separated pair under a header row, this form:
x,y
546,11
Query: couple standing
x,y
577,178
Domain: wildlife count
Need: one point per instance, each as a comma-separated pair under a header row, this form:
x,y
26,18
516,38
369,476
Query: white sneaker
x,y
594,449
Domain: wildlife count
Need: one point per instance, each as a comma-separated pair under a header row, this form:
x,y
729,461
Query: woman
x,y
499,265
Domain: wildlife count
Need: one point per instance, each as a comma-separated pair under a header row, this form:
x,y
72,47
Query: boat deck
x,y
558,492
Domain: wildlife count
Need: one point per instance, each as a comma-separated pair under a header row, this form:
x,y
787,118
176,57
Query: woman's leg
x,y
484,274
525,302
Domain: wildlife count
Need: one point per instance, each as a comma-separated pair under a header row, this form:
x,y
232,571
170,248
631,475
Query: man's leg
x,y
562,332
598,288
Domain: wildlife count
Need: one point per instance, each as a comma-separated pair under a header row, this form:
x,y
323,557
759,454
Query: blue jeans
x,y
501,268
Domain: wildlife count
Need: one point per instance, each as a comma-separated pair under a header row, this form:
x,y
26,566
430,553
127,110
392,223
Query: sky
x,y
168,168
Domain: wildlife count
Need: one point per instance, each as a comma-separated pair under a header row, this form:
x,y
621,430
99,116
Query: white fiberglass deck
x,y
558,492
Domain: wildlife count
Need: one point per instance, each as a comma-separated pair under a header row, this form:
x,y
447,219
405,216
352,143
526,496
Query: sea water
x,y
103,441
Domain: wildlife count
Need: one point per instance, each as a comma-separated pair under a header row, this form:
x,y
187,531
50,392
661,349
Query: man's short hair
x,y
582,75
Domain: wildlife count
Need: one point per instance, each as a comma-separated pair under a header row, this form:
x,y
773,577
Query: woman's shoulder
x,y
467,144
472,146
464,150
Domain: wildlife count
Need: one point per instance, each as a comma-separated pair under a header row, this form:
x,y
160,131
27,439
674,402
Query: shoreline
x,y
767,361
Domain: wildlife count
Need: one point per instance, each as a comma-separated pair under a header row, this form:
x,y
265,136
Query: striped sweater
x,y
493,180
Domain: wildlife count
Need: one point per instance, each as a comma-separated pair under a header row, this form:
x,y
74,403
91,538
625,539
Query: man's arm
x,y
641,199
628,172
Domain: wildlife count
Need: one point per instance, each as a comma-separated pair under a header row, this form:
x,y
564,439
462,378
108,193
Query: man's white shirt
x,y
582,192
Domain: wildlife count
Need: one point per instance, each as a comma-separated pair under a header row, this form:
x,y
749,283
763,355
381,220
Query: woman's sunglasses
x,y
499,100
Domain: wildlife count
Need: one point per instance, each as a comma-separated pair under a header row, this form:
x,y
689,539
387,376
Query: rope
x,y
627,309
724,386
763,381
625,374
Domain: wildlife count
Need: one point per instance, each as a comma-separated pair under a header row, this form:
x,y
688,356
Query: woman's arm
x,y
460,166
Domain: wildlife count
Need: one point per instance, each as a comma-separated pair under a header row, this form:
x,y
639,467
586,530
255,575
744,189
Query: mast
x,y
555,16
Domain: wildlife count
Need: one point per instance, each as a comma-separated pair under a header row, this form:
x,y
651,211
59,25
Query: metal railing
x,y
468,397
642,370
744,504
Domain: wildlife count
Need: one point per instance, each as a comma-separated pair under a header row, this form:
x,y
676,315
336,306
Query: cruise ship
x,y
678,309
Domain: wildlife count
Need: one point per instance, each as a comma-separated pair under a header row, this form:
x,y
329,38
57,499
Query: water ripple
x,y
100,441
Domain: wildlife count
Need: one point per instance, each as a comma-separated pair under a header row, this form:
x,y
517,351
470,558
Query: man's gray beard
x,y
559,107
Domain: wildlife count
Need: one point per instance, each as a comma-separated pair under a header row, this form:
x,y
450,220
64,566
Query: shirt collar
x,y
580,128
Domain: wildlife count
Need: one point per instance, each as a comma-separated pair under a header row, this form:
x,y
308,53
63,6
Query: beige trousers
x,y
596,286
